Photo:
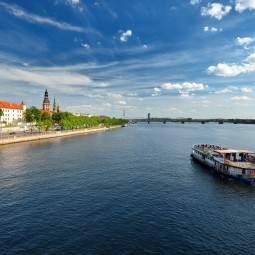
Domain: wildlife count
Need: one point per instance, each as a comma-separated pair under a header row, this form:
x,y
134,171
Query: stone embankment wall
x,y
47,135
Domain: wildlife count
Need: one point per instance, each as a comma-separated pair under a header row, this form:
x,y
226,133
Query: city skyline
x,y
191,58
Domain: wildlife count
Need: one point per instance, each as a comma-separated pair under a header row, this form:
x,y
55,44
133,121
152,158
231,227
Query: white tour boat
x,y
228,163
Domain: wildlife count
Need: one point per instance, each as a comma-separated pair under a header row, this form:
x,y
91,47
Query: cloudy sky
x,y
172,58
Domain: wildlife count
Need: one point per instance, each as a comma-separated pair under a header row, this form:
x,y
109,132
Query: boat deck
x,y
208,148
215,150
247,165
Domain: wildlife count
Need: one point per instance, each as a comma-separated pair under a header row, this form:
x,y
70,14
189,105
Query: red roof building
x,y
12,111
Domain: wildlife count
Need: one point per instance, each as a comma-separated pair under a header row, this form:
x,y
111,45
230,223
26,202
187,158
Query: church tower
x,y
46,102
54,105
58,107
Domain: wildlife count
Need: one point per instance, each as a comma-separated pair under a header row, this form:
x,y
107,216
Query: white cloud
x,y
49,78
156,92
68,2
223,91
132,94
19,13
63,79
121,102
185,95
247,90
184,87
226,70
242,5
251,58
106,105
75,1
170,86
215,10
212,29
94,96
125,35
102,84
78,108
114,95
223,69
244,40
240,98
193,2
85,45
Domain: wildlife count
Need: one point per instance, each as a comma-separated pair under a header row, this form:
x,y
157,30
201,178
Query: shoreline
x,y
50,135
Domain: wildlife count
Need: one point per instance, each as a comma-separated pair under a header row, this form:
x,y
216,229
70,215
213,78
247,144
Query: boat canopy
x,y
234,151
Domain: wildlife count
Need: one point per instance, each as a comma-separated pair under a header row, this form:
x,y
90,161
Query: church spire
x,y
54,105
58,107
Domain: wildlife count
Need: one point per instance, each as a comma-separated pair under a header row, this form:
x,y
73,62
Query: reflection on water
x,y
125,191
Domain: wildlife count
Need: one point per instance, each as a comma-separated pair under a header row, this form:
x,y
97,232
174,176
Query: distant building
x,y
149,117
46,104
82,114
54,105
58,107
12,111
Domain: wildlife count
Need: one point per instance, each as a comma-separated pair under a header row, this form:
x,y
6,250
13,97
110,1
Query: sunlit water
x,y
131,190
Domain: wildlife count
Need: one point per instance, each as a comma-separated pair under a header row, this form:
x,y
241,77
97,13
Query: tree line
x,y
67,120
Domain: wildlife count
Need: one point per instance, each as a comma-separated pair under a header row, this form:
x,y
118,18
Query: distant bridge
x,y
190,120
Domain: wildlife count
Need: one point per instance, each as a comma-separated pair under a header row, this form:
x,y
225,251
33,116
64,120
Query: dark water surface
x,y
132,190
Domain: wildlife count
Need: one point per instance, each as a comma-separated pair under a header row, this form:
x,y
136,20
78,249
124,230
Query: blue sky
x,y
172,58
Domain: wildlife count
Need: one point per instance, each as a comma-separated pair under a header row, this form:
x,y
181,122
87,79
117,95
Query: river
x,y
131,190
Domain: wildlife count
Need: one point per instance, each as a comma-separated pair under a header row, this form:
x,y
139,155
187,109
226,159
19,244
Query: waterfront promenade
x,y
50,135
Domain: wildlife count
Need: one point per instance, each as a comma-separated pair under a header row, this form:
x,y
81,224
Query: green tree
x,y
40,125
1,113
48,124
46,116
33,114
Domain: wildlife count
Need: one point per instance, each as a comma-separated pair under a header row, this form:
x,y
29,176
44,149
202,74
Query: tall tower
x,y
149,118
46,102
58,107
54,105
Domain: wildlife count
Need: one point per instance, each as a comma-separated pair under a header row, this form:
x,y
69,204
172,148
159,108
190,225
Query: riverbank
x,y
50,135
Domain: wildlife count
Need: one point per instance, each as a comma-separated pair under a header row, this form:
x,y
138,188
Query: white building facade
x,y
12,111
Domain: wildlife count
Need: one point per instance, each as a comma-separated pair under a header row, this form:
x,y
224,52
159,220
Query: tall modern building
x,y
149,117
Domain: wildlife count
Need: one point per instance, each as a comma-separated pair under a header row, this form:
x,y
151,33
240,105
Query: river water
x,y
130,190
